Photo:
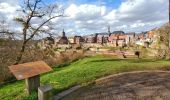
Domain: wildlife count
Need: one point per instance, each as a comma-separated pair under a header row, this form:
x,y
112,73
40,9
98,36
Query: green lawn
x,y
82,72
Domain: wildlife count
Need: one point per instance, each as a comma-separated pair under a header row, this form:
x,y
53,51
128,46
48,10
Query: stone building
x,y
71,40
145,38
118,38
130,38
78,39
142,36
102,38
153,37
47,42
91,38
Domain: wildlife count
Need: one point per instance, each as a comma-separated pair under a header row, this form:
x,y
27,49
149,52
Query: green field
x,y
82,72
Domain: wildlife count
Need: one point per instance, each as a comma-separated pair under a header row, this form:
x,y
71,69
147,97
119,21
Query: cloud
x,y
11,2
9,6
140,14
85,11
130,15
8,10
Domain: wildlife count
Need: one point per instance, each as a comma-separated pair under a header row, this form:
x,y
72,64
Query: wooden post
x,y
32,84
31,73
45,92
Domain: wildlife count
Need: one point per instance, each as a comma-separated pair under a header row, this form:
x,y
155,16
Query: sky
x,y
94,16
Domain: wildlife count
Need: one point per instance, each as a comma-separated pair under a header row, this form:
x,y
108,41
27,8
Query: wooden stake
x,y
32,84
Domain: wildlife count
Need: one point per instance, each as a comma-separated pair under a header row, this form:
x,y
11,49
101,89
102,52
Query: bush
x,y
51,57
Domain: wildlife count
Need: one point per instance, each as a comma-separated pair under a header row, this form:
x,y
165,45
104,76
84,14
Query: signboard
x,y
27,70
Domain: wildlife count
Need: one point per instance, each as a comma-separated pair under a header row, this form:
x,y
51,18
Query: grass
x,y
82,72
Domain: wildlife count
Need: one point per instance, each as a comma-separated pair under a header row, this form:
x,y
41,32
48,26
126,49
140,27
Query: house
x,y
117,38
71,40
121,43
47,42
115,35
130,38
91,38
153,37
102,38
143,39
151,34
142,36
78,39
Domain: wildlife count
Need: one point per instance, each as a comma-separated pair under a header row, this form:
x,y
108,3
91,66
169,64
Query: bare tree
x,y
164,41
4,31
32,11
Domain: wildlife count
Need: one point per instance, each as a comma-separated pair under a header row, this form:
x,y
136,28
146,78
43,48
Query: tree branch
x,y
41,26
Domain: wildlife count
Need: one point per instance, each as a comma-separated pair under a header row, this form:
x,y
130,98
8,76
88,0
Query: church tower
x,y
63,34
63,39
109,29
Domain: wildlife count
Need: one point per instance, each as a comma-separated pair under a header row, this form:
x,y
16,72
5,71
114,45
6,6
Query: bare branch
x,y
35,10
41,26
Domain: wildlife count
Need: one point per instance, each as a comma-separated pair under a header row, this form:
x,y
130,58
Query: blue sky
x,y
109,3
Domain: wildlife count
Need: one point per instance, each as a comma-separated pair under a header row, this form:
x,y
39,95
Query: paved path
x,y
127,86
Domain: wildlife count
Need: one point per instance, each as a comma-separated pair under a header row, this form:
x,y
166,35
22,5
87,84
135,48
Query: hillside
x,y
82,72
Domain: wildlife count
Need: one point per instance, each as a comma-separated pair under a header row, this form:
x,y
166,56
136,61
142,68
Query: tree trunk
x,y
19,57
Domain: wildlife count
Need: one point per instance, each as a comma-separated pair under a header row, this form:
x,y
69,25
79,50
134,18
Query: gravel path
x,y
127,86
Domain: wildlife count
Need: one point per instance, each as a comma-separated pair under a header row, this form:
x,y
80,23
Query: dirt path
x,y
127,86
